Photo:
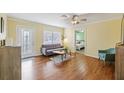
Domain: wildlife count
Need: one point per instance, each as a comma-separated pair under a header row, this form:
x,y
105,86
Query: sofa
x,y
48,49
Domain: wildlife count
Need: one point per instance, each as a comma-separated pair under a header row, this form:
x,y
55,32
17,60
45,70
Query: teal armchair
x,y
107,55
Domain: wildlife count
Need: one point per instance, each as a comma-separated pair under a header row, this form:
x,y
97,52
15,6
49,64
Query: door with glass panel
x,y
25,39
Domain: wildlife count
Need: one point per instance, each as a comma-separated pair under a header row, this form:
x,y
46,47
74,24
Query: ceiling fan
x,y
74,18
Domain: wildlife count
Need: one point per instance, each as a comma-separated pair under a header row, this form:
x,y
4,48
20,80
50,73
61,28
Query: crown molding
x,y
103,20
79,26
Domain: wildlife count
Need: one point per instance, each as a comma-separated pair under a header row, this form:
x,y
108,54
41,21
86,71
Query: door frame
x,y
19,41
85,37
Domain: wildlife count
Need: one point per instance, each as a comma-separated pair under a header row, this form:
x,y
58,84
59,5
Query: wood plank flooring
x,y
80,67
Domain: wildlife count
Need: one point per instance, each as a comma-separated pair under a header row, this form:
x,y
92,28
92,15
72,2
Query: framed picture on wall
x,y
2,24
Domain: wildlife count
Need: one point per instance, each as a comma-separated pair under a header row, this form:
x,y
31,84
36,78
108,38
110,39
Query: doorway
x,y
25,40
80,41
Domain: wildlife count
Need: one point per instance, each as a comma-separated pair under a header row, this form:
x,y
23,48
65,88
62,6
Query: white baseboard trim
x,y
91,56
37,54
32,55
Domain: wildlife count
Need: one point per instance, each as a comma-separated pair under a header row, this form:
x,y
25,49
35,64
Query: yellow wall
x,y
102,35
99,35
12,23
69,39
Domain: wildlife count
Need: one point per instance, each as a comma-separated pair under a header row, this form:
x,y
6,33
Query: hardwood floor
x,y
80,67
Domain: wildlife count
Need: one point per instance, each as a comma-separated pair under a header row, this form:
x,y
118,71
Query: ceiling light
x,y
74,22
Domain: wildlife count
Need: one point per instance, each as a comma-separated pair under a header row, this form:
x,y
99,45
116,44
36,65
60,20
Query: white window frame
x,y
56,37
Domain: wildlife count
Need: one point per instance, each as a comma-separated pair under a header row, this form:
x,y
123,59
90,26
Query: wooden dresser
x,y
119,62
10,63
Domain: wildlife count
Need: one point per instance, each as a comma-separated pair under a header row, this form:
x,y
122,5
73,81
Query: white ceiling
x,y
55,19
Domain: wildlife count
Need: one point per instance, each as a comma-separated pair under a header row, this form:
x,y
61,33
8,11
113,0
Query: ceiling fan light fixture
x,y
74,22
73,19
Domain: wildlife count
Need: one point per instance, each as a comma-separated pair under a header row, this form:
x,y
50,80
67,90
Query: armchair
x,y
107,55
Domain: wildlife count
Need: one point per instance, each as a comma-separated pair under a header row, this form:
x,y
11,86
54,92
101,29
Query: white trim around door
x,y
25,39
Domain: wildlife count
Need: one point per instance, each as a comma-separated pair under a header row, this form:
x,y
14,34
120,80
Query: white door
x,y
25,40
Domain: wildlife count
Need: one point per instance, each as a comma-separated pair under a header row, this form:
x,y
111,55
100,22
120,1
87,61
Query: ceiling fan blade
x,y
65,16
83,19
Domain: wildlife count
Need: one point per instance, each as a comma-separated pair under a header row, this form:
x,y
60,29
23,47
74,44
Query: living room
x,y
90,54
41,35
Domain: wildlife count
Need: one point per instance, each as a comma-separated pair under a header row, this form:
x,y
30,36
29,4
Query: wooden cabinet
x,y
10,63
119,62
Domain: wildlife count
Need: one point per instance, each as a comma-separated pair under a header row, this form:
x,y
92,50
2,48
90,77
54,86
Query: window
x,y
51,37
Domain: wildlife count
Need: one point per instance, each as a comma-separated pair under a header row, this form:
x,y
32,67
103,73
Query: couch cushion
x,y
57,46
49,50
51,46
